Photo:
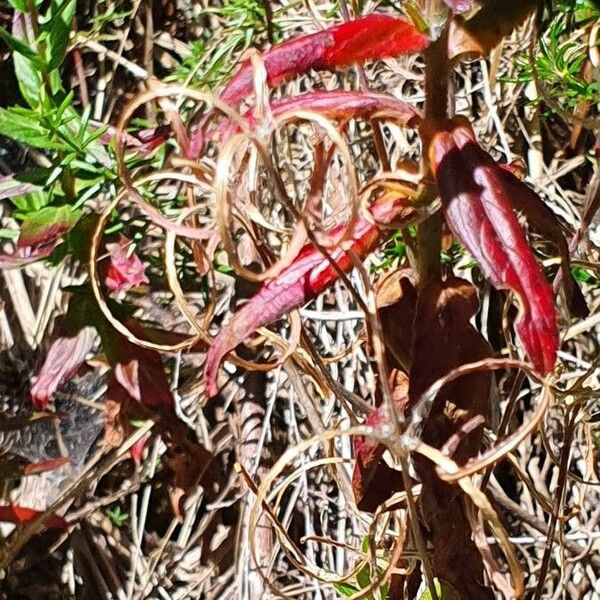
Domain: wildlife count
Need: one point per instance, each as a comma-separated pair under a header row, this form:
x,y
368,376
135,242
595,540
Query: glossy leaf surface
x,y
479,211
367,38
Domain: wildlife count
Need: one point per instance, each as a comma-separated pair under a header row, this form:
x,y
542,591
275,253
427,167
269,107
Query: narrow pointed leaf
x,y
309,275
338,104
479,212
367,38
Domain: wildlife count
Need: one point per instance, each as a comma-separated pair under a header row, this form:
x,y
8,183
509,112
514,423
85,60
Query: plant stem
x,y
429,236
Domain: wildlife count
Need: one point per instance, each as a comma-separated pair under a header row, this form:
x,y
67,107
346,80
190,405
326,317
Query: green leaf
x,y
47,224
21,48
23,126
31,202
59,30
20,5
444,592
426,595
345,590
583,276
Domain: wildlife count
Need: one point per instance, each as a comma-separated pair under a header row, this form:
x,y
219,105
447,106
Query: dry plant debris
x,y
300,300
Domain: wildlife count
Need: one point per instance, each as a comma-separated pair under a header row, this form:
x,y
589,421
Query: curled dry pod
x,y
309,275
478,209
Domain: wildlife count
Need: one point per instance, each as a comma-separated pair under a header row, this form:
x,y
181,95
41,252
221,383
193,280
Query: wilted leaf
x,y
139,370
125,270
67,352
478,210
367,38
44,466
47,225
479,34
20,515
11,187
309,275
373,481
396,306
444,339
188,464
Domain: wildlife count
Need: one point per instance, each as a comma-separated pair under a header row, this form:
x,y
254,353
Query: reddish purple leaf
x,y
47,225
309,275
21,515
366,38
337,104
126,270
66,354
24,256
479,212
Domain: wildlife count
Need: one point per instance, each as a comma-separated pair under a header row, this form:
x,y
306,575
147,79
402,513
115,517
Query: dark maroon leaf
x,y
140,371
373,481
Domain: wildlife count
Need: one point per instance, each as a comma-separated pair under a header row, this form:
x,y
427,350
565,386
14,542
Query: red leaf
x,y
367,38
126,270
542,220
137,450
20,515
304,279
478,210
338,104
